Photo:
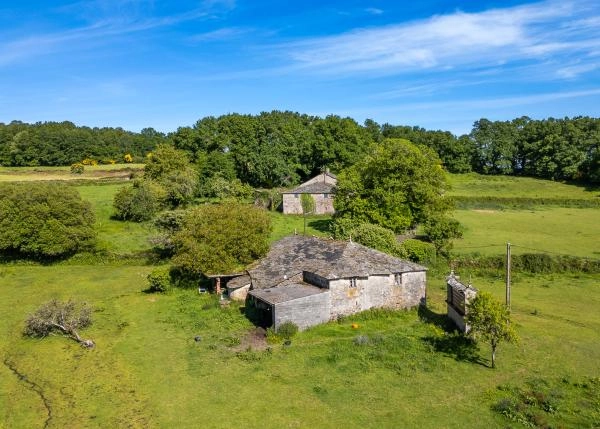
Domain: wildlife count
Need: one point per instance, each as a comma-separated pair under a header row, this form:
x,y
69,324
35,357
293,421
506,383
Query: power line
x,y
480,247
555,253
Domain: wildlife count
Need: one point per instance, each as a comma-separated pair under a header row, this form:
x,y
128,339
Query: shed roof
x,y
288,292
329,259
454,283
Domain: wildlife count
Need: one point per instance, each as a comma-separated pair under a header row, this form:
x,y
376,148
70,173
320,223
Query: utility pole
x,y
508,275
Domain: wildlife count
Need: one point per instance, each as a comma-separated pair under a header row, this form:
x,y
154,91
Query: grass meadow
x,y
91,173
472,184
398,369
147,370
567,231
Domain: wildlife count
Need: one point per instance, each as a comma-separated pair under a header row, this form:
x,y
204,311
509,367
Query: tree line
x,y
283,148
64,143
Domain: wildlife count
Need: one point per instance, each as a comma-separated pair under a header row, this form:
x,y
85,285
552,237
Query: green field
x,y
555,230
113,235
114,172
147,370
477,185
399,369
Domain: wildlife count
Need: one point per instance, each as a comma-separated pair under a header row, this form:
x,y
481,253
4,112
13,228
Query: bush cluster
x,y
41,220
159,280
383,239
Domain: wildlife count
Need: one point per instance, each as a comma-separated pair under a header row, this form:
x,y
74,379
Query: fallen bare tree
x,y
65,318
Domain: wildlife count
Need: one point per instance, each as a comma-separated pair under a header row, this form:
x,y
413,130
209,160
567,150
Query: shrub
x,y
167,223
140,202
287,330
219,187
42,220
342,228
377,237
159,280
441,230
77,168
418,251
221,238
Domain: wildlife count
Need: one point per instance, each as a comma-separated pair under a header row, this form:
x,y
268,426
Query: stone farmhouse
x,y
321,188
309,280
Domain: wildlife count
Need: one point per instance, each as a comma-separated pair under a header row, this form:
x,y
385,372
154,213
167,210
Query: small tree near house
x,y
308,204
489,320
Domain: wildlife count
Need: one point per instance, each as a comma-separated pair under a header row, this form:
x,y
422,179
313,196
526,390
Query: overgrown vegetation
x,y
549,402
44,221
221,238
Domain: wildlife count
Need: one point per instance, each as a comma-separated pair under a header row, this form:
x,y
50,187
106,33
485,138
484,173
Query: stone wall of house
x,y
323,203
304,312
238,294
376,291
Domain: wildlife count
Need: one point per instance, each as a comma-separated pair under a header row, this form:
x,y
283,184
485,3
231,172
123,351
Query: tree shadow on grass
x,y
452,343
440,320
456,346
321,225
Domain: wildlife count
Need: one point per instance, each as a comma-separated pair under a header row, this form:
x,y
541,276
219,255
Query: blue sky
x,y
165,64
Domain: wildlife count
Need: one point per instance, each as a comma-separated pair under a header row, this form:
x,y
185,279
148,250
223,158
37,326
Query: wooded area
x,y
282,148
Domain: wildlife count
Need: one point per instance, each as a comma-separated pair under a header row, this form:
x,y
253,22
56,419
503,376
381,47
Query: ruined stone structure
x,y
458,296
321,188
309,280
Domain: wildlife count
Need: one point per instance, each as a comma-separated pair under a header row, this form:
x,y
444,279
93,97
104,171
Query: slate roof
x,y
238,282
319,187
329,259
287,292
453,281
312,188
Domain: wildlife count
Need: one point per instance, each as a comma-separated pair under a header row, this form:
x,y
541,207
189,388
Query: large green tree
x,y
397,186
44,220
221,238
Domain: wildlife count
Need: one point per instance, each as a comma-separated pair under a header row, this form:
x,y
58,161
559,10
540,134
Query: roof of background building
x,y
309,187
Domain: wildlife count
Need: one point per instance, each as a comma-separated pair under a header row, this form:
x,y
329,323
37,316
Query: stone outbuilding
x,y
458,296
321,188
309,280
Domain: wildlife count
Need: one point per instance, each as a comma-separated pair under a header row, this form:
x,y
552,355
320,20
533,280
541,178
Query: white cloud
x,y
576,70
489,38
112,18
219,35
374,11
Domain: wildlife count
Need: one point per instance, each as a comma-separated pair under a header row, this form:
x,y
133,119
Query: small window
x,y
353,282
325,195
398,279
295,195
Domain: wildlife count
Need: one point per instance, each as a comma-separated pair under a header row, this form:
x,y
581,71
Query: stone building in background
x,y
321,188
